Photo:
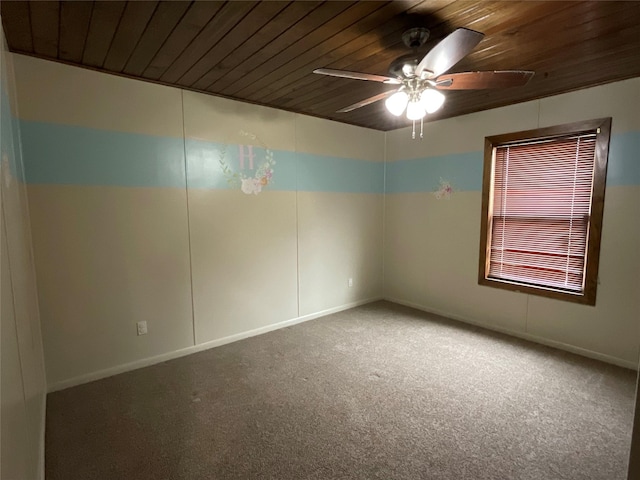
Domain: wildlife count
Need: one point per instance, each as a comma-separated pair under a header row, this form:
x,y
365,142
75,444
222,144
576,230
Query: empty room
x,y
319,240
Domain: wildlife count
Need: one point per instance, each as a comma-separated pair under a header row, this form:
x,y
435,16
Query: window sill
x,y
548,292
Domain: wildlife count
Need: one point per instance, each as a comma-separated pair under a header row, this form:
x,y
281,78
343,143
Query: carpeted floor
x,y
376,392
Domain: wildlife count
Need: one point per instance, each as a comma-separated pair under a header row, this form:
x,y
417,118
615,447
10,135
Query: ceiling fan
x,y
420,78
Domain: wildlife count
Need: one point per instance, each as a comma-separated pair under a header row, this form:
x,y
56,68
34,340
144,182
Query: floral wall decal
x,y
255,166
445,190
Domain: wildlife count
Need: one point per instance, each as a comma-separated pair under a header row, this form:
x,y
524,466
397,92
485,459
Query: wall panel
x,y
340,237
23,380
244,261
109,257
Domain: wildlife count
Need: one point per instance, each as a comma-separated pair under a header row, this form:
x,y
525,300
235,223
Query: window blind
x,y
541,211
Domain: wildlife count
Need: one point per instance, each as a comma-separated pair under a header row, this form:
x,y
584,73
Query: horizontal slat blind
x,y
541,211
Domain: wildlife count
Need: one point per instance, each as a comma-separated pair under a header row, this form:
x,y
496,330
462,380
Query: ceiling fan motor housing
x,y
404,66
415,37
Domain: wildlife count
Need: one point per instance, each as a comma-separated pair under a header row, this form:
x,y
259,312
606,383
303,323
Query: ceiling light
x,y
397,102
415,111
431,100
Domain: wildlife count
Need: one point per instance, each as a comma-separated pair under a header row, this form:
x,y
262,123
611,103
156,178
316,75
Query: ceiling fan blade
x,y
482,80
367,101
448,52
356,75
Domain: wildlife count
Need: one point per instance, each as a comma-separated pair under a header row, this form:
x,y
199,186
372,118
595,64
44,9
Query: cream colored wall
x,y
243,247
340,237
244,261
339,234
260,260
202,265
431,246
106,256
23,385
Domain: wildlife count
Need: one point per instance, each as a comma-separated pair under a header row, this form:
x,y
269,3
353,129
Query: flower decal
x,y
445,190
251,185
251,177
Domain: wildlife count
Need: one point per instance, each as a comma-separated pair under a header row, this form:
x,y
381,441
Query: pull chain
x,y
421,128
413,133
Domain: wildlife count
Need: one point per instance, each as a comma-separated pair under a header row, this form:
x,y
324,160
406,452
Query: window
x,y
542,202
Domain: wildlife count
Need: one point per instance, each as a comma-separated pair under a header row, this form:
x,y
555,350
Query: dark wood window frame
x,y
600,126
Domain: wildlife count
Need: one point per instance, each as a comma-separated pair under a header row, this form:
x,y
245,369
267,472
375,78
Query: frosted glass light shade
x,y
431,100
415,110
396,103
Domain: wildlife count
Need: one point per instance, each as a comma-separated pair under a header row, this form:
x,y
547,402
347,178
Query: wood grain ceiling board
x,y
324,33
197,17
16,14
45,23
220,25
162,23
133,23
524,41
317,17
74,26
242,32
290,15
365,32
265,52
105,17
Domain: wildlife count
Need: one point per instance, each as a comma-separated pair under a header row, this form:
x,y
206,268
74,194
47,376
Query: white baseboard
x,y
145,362
525,336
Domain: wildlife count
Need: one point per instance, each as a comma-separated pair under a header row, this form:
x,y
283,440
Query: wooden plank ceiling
x,y
265,52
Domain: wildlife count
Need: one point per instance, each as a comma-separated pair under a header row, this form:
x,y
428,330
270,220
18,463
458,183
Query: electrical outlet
x,y
142,328
350,282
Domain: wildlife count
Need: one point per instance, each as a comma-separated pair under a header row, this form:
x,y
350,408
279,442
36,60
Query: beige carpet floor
x,y
376,392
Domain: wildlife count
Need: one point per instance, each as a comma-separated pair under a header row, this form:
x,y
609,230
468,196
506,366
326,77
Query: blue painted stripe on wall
x,y
332,174
623,167
464,170
62,154
71,155
291,171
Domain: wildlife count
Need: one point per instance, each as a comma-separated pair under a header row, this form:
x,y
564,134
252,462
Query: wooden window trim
x,y
588,297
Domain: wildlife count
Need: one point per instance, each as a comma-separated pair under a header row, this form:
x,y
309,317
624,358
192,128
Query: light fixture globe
x,y
431,100
397,102
415,110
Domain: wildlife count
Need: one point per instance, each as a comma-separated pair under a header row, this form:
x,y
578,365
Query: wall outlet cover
x,y
142,328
